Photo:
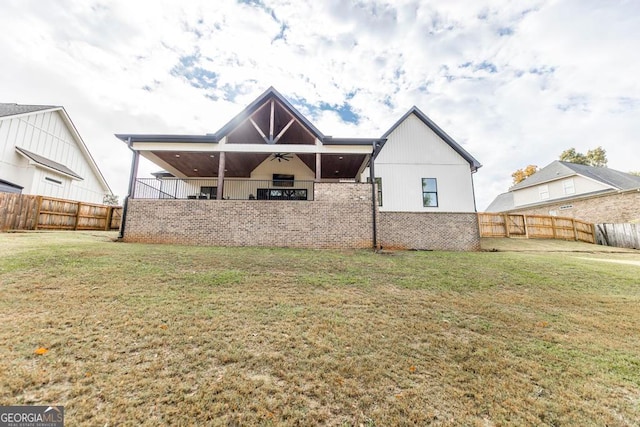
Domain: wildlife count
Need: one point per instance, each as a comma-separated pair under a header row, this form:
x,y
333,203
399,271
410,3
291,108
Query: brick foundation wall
x,y
426,230
606,208
339,217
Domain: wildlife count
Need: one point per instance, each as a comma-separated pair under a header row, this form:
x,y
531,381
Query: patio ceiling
x,y
240,165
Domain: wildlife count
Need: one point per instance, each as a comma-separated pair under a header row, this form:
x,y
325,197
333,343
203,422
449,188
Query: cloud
x,y
514,82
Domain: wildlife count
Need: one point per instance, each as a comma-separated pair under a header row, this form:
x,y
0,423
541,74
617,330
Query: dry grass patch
x,y
148,335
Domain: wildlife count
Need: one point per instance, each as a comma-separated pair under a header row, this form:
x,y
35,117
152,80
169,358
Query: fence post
x,y
75,226
37,219
554,225
107,225
575,229
506,225
526,228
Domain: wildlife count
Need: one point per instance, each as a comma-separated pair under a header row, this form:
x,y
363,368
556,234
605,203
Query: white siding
x,y
412,152
531,195
294,166
46,134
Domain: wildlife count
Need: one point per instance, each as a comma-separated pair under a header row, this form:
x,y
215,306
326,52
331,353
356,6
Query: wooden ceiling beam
x,y
284,130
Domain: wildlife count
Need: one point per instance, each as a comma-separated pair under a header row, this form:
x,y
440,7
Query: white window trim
x,y
569,184
543,191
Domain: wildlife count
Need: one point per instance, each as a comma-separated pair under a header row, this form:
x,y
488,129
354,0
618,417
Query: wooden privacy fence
x,y
619,235
535,227
27,212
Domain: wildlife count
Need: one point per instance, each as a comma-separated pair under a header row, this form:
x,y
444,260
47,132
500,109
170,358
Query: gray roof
x,y
502,203
270,93
558,170
48,163
15,109
475,165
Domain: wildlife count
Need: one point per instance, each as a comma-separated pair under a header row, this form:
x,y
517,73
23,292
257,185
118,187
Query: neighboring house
x,y
593,194
285,183
42,153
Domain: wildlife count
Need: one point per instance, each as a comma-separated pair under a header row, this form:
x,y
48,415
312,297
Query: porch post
x,y
220,176
318,167
132,187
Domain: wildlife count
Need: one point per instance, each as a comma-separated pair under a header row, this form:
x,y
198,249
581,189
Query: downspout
x,y
473,192
372,179
132,180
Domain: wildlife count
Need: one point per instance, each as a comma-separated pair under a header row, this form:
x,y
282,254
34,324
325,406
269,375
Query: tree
x,y
596,157
110,199
522,174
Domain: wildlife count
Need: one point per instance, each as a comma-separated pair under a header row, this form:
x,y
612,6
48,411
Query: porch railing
x,y
233,189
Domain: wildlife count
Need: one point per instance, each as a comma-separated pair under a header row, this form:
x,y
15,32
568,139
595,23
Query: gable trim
x,y
258,104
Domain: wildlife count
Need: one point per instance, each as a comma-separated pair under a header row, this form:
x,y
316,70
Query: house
x,y
42,153
269,177
588,193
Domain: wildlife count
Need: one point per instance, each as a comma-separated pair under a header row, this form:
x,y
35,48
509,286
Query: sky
x,y
514,82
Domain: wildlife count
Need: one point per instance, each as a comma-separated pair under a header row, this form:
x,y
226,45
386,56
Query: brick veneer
x,y
338,217
619,207
429,230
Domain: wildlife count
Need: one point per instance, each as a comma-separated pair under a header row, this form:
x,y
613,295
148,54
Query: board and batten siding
x,y
412,152
47,134
556,190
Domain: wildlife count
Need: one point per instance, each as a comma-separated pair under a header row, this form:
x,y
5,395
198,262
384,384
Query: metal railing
x,y
234,189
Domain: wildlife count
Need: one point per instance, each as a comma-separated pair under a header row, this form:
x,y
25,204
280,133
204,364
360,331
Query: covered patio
x,y
267,152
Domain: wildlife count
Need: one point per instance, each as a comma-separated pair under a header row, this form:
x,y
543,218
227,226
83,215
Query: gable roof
x,y
8,109
259,102
48,163
475,165
245,114
558,170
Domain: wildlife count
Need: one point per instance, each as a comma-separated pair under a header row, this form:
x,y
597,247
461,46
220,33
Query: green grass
x,y
149,335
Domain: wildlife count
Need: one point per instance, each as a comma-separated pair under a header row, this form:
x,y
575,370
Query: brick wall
x,y
429,230
339,217
606,208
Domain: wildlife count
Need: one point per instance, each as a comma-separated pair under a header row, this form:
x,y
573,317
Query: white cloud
x,y
514,82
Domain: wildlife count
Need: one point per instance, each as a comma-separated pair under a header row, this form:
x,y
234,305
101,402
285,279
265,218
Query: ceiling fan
x,y
282,156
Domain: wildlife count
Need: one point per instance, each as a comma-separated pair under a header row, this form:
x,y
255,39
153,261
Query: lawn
x,y
136,334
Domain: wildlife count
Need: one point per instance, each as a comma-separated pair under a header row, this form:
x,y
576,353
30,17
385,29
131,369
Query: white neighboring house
x,y
593,194
42,153
419,168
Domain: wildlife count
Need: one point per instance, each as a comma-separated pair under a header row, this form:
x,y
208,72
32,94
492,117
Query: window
x,y
429,192
569,186
379,187
209,192
281,194
280,180
544,192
